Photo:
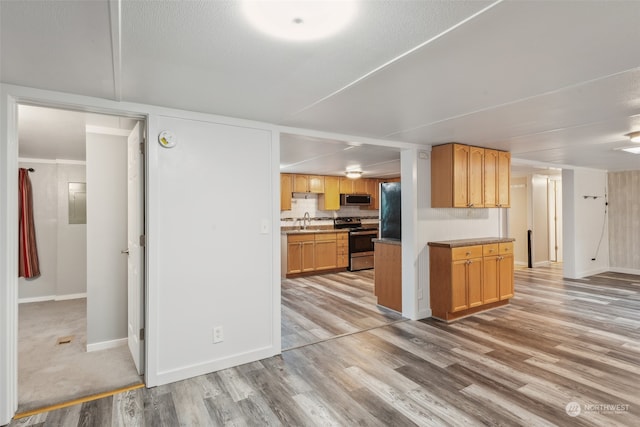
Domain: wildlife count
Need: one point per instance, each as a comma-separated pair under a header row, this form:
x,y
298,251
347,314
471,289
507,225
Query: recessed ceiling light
x,y
299,20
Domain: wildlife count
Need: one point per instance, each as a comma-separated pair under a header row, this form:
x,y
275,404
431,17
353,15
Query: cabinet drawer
x,y
490,250
300,238
466,252
506,248
325,236
343,236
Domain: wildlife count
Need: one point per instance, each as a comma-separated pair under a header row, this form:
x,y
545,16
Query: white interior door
x,y
135,229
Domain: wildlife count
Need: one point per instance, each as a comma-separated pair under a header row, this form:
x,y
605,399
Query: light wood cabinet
x,y
360,186
307,253
286,188
325,252
388,274
308,183
468,279
503,177
300,253
346,185
497,178
372,187
464,176
330,199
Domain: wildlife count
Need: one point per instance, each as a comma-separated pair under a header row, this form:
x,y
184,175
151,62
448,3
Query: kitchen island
x,y
470,275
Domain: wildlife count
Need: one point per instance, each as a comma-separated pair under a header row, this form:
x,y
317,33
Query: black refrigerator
x,y
390,214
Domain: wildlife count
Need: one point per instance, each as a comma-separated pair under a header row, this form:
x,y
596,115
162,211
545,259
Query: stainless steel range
x,y
360,242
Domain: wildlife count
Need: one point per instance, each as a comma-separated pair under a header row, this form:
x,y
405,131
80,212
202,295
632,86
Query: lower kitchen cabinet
x,y
300,253
309,252
388,273
468,279
325,251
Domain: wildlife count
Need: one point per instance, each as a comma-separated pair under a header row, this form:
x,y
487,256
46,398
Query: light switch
x,y
264,226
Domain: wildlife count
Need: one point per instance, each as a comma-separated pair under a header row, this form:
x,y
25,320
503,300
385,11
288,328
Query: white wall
x,y
72,238
106,237
61,246
212,264
583,221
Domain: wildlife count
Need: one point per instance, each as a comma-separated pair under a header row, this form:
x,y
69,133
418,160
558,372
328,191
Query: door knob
x,y
125,251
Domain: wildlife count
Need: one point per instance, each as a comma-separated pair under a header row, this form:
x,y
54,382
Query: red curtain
x,y
28,252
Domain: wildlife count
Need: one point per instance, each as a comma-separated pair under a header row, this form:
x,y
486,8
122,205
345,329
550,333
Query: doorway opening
x,y
73,319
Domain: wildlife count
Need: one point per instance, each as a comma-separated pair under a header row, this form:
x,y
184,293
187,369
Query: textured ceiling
x,y
554,82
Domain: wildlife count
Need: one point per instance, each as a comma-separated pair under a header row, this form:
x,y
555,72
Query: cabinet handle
x,y
490,251
468,253
470,205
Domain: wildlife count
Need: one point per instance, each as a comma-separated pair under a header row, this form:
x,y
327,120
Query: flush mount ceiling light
x,y
353,174
634,136
299,20
634,150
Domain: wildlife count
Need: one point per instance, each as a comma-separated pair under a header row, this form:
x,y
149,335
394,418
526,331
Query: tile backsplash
x,y
308,202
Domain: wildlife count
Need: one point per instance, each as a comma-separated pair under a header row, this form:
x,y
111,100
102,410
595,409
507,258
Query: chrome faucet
x,y
306,218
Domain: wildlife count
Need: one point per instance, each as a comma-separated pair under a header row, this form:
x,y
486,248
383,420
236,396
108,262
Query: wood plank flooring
x,y
559,341
316,308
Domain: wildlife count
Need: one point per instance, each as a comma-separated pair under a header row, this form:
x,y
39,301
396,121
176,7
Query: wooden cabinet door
x,y
490,178
330,200
346,185
476,177
459,299
504,179
286,188
490,283
316,183
506,276
326,254
460,176
308,256
360,186
300,183
373,188
474,282
294,257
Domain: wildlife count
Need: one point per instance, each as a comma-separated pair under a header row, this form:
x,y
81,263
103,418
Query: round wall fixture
x,y
167,139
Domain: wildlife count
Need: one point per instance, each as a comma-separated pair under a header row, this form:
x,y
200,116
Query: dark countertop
x,y
311,230
471,242
388,241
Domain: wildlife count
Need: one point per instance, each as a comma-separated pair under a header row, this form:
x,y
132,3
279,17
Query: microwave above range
x,y
355,199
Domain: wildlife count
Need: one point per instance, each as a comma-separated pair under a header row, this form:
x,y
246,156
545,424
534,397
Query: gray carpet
x,y
51,373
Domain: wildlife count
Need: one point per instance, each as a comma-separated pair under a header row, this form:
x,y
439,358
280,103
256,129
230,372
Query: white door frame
x,y
9,218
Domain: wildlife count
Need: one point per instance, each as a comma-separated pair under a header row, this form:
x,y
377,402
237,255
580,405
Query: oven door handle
x,y
364,233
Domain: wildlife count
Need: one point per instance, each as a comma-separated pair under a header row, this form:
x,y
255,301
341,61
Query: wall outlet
x,y
218,334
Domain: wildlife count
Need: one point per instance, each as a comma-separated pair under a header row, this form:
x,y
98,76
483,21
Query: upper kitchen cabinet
x,y
372,188
286,188
346,185
464,176
308,183
457,173
497,177
330,200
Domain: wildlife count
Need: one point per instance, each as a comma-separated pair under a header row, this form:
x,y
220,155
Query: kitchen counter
x,y
471,242
297,230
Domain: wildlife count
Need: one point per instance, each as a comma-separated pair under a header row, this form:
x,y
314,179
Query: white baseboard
x,y
625,270
51,298
71,296
104,345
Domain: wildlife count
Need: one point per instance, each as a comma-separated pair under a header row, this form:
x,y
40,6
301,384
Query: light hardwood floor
x,y
559,341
